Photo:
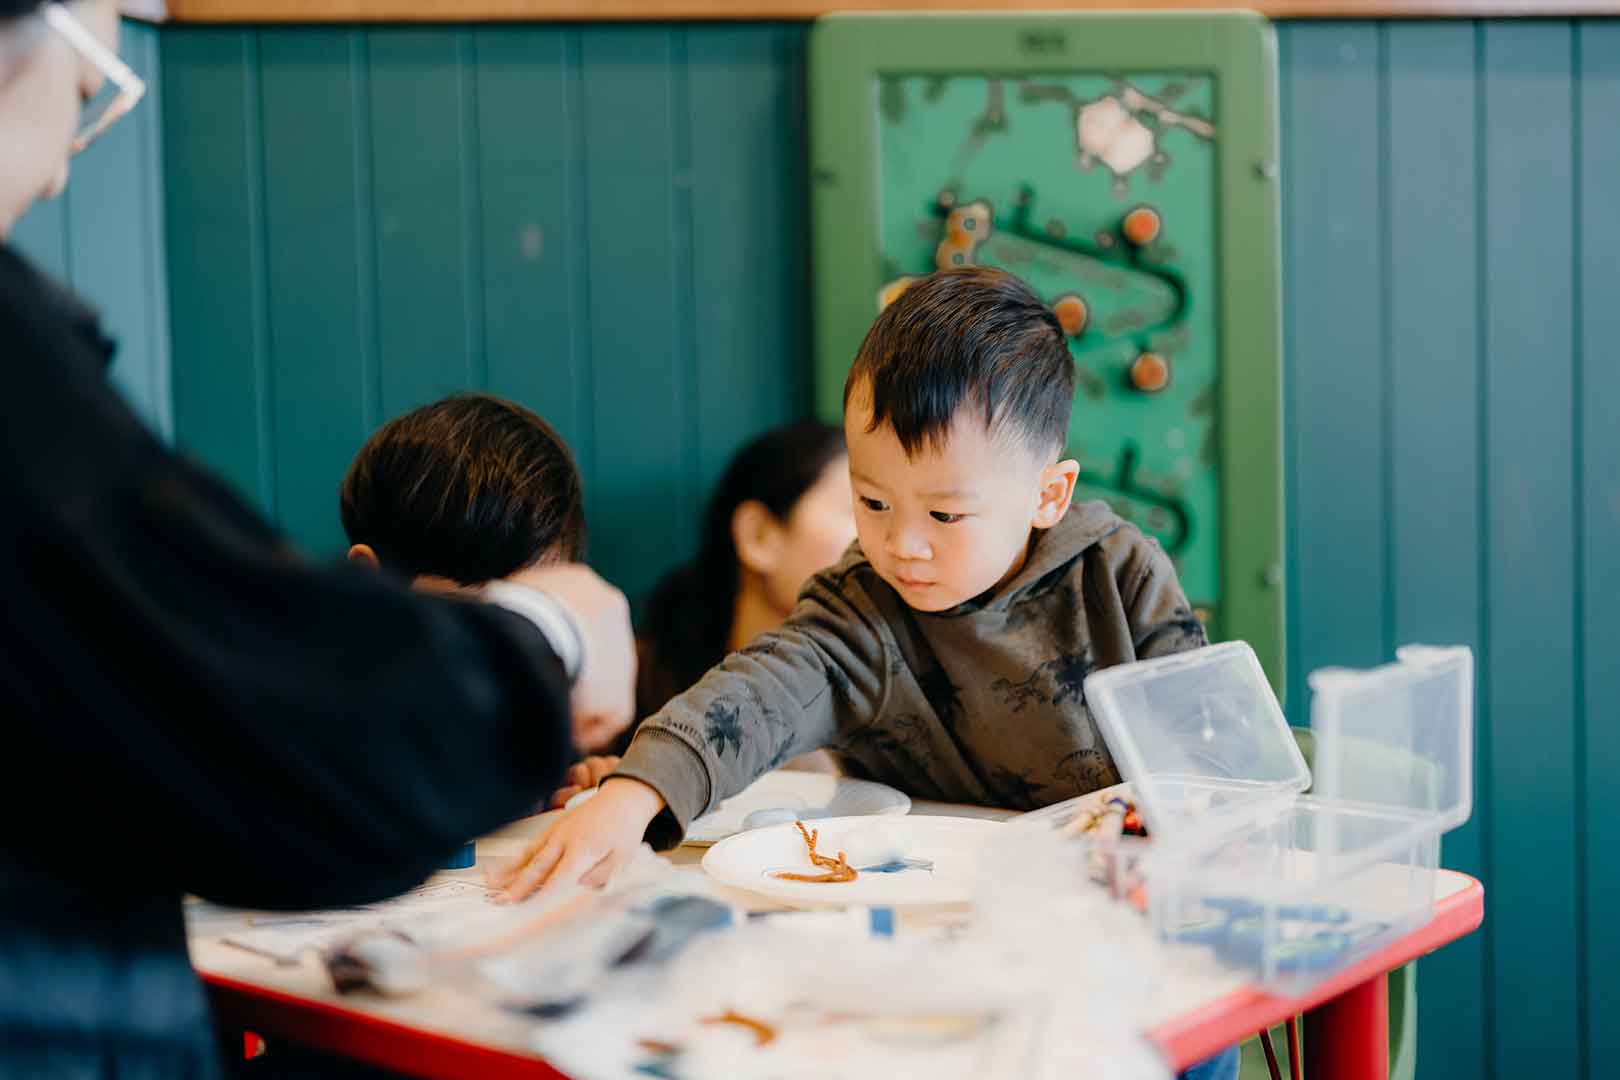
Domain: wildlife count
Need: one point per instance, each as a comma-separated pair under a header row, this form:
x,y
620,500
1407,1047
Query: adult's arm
x,y
192,704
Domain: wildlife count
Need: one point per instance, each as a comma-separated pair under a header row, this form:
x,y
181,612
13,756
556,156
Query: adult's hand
x,y
604,689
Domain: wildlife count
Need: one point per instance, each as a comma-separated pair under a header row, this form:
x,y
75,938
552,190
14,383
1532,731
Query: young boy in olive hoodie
x,y
945,653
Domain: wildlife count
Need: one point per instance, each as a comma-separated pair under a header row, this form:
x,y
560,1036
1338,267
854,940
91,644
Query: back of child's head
x,y
972,336
470,488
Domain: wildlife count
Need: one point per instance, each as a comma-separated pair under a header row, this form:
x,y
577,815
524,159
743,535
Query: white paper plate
x,y
805,794
939,859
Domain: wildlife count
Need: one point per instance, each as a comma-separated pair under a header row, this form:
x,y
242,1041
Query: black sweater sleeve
x,y
191,705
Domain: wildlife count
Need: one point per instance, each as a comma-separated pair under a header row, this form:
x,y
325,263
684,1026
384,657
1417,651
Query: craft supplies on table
x,y
784,796
1288,886
898,861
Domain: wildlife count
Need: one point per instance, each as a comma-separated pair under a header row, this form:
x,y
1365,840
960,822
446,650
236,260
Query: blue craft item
x,y
882,922
1320,950
781,815
1205,932
676,920
463,859
1243,907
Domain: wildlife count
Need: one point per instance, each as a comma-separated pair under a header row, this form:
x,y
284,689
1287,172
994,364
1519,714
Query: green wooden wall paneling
x,y
442,222
1431,313
213,172
750,283
1528,521
533,230
320,342
1334,369
1597,392
633,85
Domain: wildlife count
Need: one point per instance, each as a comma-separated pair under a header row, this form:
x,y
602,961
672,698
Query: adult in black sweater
x,y
190,707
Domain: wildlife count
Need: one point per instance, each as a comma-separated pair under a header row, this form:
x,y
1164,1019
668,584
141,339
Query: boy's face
x,y
955,520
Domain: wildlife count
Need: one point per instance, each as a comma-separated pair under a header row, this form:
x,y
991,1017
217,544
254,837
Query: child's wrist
x,y
636,794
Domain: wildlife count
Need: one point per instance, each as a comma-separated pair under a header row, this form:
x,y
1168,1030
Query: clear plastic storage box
x,y
1287,886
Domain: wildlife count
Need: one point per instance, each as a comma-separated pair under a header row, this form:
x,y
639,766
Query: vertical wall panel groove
x,y
633,324
317,274
685,174
1582,1017
1386,346
1598,401
1483,702
1333,360
579,240
1528,666
258,242
472,233
365,232
1431,317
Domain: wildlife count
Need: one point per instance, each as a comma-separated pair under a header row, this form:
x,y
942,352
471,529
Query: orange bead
x,y
891,292
1142,225
968,225
951,254
1072,314
1150,372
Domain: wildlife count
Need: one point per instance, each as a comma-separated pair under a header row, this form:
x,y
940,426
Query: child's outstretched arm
x,y
792,690
795,689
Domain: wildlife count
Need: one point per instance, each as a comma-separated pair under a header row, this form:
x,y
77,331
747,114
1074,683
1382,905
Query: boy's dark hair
x,y
471,488
975,336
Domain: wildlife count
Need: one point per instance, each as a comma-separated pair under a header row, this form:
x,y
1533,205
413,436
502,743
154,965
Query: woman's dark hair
x,y
471,488
688,616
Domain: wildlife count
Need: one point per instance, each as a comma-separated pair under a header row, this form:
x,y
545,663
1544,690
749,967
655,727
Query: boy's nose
x,y
906,543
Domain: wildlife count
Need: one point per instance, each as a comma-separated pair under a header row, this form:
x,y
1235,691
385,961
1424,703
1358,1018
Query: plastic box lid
x,y
1200,736
1399,737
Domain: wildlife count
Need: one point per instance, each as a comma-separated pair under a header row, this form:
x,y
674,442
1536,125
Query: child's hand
x,y
584,774
587,844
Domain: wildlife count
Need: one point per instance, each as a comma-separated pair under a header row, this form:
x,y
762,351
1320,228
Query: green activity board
x,y
1125,167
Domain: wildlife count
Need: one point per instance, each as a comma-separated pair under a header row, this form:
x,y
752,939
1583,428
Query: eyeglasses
x,y
118,94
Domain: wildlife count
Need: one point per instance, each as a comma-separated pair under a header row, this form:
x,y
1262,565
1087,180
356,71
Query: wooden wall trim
x,y
465,11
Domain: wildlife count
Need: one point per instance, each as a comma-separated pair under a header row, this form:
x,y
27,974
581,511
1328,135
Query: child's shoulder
x,y
1128,552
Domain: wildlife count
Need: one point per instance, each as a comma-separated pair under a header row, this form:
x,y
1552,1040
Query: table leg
x,y
1347,1038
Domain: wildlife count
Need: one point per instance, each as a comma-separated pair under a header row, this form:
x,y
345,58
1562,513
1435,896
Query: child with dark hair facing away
x,y
945,653
463,492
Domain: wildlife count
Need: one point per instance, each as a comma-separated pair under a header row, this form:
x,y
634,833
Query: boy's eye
x,y
874,504
946,519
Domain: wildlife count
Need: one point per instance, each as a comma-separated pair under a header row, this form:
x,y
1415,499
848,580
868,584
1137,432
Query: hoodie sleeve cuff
x,y
673,769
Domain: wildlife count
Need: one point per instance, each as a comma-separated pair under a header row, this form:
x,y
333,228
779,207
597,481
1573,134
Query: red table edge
x,y
1189,1038
373,1039
1207,1030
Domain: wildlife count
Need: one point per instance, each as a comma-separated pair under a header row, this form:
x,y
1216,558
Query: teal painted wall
x,y
608,223
104,235
1450,224
363,221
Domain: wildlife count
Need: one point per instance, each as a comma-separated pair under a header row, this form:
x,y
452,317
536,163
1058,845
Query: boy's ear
x,y
362,555
757,536
1057,492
